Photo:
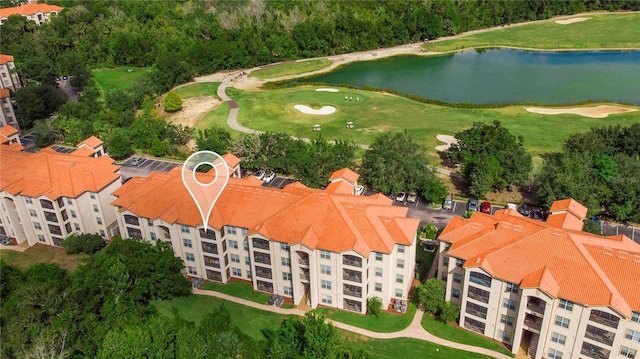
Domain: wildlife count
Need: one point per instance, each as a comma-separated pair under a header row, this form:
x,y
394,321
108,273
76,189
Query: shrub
x,y
172,102
374,306
82,243
449,312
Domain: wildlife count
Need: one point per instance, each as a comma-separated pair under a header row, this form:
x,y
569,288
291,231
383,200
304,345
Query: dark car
x,y
537,215
485,207
473,204
524,210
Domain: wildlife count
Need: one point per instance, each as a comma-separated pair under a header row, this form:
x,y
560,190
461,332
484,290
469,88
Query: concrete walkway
x,y
414,330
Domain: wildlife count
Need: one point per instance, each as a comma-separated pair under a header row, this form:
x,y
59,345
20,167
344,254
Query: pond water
x,y
502,76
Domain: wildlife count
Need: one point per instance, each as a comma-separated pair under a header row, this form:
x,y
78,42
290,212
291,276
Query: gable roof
x,y
232,161
564,263
345,174
8,131
29,9
296,214
5,58
52,174
93,142
4,93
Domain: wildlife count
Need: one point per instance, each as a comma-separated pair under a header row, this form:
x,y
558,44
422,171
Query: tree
x,y
172,102
215,139
491,156
37,102
449,312
374,306
430,295
321,339
119,144
82,243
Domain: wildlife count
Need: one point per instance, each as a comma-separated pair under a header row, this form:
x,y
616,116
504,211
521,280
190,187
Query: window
x,y
69,201
102,234
459,262
32,213
504,336
400,248
231,230
184,229
477,310
190,257
76,226
187,243
457,278
99,220
632,335
325,254
479,278
399,278
233,244
558,338
378,272
284,247
236,272
478,294
561,321
398,293
192,270
378,256
73,213
505,319
92,195
95,208
554,354
635,317
286,276
455,293
41,238
247,260
325,269
445,261
508,303
400,263
628,352
243,231
326,284
235,258
326,299
288,291
378,287
565,304
513,288
150,222
245,244
286,262
28,200
249,275
36,225
153,236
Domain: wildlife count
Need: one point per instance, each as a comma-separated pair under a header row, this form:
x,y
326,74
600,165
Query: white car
x,y
400,196
412,197
259,175
269,177
359,190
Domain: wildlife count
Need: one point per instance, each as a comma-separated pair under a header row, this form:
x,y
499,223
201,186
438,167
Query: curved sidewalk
x,y
414,330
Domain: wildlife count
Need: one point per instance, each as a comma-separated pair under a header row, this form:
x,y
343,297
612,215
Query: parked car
x,y
448,202
412,197
4,240
473,205
359,190
400,196
269,177
485,207
259,175
510,206
537,215
137,161
524,210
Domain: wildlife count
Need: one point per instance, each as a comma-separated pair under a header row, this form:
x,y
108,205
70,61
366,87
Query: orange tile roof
x,y
231,160
53,174
295,214
4,93
29,9
345,174
340,187
5,58
8,131
570,205
565,220
93,142
566,263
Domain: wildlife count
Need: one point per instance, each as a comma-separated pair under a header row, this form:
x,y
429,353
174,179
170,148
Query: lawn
x,y
290,68
238,289
426,260
118,78
607,31
198,89
376,113
217,117
43,254
459,335
386,323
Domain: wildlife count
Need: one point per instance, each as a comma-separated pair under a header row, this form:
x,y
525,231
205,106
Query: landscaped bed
x,y
238,289
385,323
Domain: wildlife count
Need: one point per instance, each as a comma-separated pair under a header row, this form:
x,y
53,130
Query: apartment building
x,y
9,135
9,79
38,13
46,196
316,247
7,115
547,289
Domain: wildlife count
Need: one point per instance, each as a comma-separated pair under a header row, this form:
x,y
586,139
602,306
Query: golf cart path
x,y
414,330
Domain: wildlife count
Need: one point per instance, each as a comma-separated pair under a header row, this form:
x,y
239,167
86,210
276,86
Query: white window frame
x,y
187,242
326,299
190,257
400,263
236,272
565,304
628,352
378,272
507,303
555,354
635,317
286,262
325,284
379,256
235,258
398,293
558,338
562,321
632,335
325,269
233,244
378,287
400,248
286,276
325,254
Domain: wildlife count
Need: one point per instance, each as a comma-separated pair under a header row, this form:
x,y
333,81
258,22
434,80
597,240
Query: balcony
x,y
209,248
352,276
260,243
594,351
263,272
604,318
262,258
353,261
478,294
51,217
353,305
46,204
533,322
304,275
211,262
535,306
304,262
600,335
209,234
133,220
352,291
265,286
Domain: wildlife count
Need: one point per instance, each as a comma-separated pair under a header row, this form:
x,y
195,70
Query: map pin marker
x,y
205,195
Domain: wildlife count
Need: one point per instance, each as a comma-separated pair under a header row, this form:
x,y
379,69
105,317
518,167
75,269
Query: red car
x,y
485,207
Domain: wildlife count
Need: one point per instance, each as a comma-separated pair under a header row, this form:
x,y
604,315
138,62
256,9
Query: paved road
x,y
414,330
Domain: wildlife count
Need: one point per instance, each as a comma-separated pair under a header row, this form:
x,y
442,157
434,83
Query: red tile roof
x,y
569,205
8,131
29,9
5,58
54,174
4,93
231,160
345,174
566,263
295,214
93,142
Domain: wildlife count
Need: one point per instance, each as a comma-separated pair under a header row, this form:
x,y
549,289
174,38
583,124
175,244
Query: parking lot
x,y
145,166
278,182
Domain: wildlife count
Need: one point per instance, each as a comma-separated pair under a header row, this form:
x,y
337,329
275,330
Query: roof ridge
x,y
349,222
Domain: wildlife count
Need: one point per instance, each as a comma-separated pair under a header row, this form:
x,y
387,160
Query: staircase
x,y
533,345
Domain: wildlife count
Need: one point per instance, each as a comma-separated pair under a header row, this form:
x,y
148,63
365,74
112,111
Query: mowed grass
x,y
238,289
217,117
386,323
426,260
118,78
460,335
605,31
198,89
290,68
377,113
43,254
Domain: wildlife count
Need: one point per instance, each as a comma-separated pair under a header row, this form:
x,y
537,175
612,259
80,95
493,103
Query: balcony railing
x,y
535,307
353,293
595,353
262,258
264,274
211,262
260,243
610,322
304,262
209,248
479,296
209,234
599,335
352,278
533,322
305,276
352,261
129,219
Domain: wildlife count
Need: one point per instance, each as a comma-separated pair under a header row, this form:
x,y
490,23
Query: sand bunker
x,y
449,140
325,110
327,90
571,21
594,112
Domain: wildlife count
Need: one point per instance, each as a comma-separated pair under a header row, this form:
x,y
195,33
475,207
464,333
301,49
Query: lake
x,y
495,76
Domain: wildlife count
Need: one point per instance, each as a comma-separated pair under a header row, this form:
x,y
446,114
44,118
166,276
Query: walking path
x,y
414,330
